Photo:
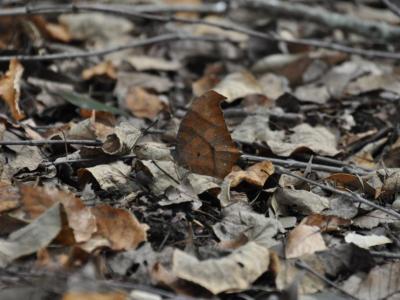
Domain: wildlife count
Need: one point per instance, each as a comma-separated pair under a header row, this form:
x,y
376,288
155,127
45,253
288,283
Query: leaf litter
x,y
194,158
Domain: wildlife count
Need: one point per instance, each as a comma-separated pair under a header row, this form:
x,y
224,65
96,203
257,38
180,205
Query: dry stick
x,y
51,142
302,265
291,163
216,8
145,42
237,28
385,254
392,6
329,19
350,195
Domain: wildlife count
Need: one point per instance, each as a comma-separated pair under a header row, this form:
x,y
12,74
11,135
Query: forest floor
x,y
176,149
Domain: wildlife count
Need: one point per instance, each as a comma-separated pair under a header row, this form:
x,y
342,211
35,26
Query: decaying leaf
x,y
117,229
233,272
326,223
142,63
9,197
10,88
32,237
111,176
143,104
204,143
95,296
366,241
122,140
382,282
256,175
105,68
299,200
238,85
303,240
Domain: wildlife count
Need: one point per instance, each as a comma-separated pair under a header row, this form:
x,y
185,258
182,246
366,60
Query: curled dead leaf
x,y
10,88
303,240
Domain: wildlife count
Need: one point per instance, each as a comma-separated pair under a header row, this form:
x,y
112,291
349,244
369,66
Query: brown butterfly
x,y
204,145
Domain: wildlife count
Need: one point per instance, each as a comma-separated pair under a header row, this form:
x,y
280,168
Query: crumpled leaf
x,y
366,241
240,220
382,282
113,176
326,223
143,104
238,85
122,140
32,237
118,229
387,82
303,240
36,200
373,219
256,175
230,273
104,68
10,88
300,200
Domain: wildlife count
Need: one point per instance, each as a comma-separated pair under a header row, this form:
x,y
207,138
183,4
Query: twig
x,y
329,19
145,42
266,36
291,163
350,195
385,254
302,265
51,142
392,6
102,160
216,8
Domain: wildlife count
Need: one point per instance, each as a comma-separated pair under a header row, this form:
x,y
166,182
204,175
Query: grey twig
x,y
113,9
329,19
392,6
350,195
51,142
291,163
385,254
145,42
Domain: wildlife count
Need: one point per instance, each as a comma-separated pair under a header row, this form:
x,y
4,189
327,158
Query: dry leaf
x,y
36,200
204,143
122,140
119,227
238,85
32,237
366,241
55,31
256,175
105,68
325,223
304,240
9,197
10,88
230,273
144,63
142,104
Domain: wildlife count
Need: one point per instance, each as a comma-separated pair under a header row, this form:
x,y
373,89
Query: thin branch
x,y
216,8
51,142
101,160
302,265
350,195
145,42
329,19
392,6
266,36
291,163
385,254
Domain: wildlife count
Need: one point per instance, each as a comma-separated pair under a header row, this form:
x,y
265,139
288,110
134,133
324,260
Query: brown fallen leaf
x,y
36,200
143,104
204,143
119,227
325,223
303,240
10,88
9,197
104,68
55,31
255,175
